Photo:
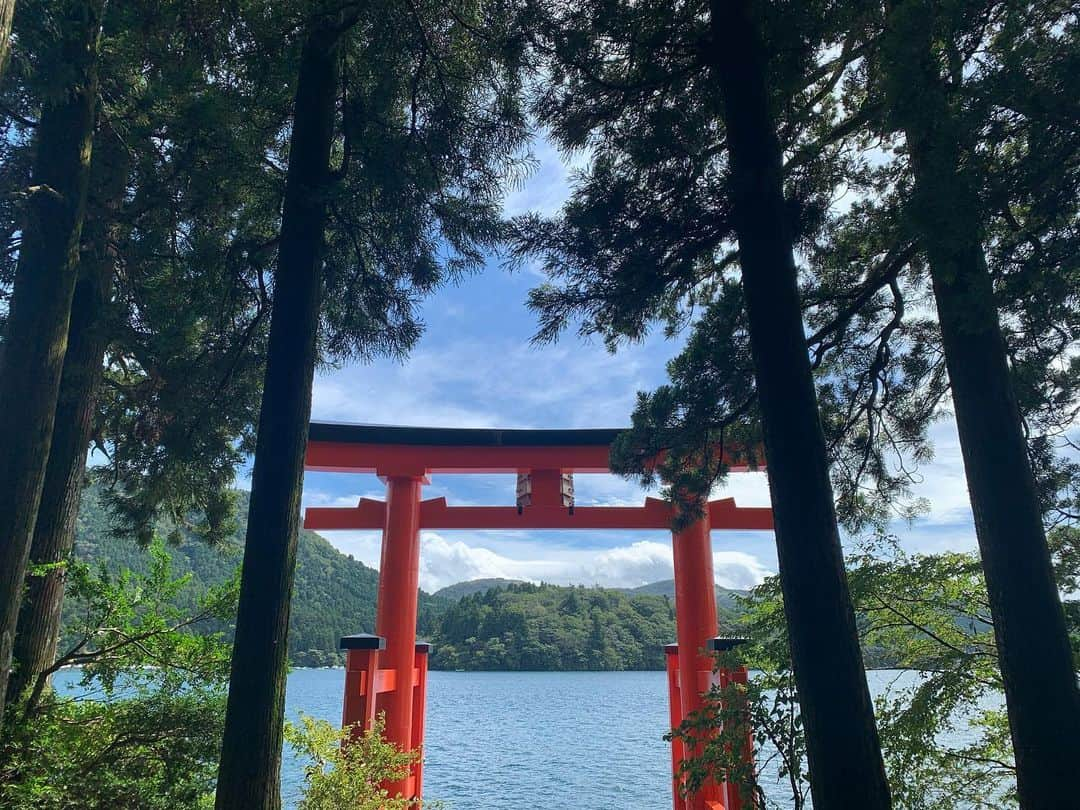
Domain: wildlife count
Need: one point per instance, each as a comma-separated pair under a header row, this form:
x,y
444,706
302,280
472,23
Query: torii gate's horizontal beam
x,y
435,514
391,459
391,450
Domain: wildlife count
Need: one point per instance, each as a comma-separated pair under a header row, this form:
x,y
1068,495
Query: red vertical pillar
x,y
724,678
361,668
735,802
419,703
695,625
729,791
395,616
671,654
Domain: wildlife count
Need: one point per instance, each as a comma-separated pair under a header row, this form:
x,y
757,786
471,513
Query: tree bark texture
x,y
1037,668
7,14
36,339
251,757
88,336
846,768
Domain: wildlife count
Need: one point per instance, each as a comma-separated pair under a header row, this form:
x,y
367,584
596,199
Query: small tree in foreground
x,y
944,733
719,730
348,776
770,704
142,730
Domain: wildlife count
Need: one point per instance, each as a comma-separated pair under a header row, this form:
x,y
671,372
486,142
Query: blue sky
x,y
475,367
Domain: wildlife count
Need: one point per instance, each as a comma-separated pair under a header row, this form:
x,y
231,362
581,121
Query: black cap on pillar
x,y
362,641
723,643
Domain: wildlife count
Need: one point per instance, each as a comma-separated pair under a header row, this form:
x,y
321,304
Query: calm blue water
x,y
505,740
537,740
529,740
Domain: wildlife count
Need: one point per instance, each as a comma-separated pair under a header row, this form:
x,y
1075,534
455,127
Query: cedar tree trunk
x,y
41,306
251,756
7,13
846,768
1041,691
54,531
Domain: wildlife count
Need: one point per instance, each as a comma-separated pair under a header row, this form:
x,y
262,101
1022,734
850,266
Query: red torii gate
x,y
387,671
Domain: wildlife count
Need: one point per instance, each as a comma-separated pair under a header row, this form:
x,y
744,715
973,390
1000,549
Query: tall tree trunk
x,y
7,14
251,757
41,305
54,531
846,768
1041,691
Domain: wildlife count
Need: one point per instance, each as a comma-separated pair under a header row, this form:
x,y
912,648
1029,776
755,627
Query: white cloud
x,y
319,498
498,382
348,395
942,480
747,488
608,490
444,561
648,561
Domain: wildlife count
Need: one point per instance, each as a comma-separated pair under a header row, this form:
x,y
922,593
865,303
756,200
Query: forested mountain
x,y
471,586
491,623
334,594
480,624
725,597
531,627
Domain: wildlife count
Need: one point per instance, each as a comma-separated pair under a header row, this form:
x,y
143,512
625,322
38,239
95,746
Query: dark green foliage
x,y
945,736
548,627
469,622
689,205
945,136
923,75
646,237
155,751
1007,72
180,397
648,233
180,206
468,588
142,730
709,402
430,129
195,223
334,596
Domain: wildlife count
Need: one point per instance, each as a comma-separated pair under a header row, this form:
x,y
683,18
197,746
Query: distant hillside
x,y
725,597
462,589
505,624
334,594
483,624
552,627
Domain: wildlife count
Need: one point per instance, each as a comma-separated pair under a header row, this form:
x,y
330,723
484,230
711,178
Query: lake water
x,y
528,740
508,740
535,740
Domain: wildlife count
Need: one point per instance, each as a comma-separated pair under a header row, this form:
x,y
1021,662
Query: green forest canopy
x,y
482,624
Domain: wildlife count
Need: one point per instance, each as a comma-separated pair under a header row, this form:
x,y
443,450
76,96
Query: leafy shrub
x,y
348,776
143,730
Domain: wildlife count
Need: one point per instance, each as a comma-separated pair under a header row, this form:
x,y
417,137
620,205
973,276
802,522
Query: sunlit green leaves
x,y
347,767
142,729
